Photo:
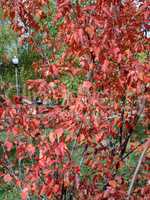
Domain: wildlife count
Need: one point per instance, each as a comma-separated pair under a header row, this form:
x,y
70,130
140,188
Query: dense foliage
x,y
79,145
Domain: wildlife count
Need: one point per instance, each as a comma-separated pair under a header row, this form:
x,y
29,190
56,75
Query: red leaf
x,y
24,194
87,85
56,188
116,51
107,11
119,58
1,111
89,8
77,170
8,145
36,123
61,149
64,3
52,137
55,70
99,137
30,149
59,132
81,138
15,130
17,99
12,112
119,123
105,66
7,178
147,79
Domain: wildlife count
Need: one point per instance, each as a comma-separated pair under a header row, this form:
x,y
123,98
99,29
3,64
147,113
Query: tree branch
x,y
139,112
137,169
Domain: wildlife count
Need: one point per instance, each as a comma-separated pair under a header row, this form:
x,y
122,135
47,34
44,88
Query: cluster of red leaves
x,y
98,122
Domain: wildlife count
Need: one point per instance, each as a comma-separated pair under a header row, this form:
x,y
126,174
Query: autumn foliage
x,y
76,148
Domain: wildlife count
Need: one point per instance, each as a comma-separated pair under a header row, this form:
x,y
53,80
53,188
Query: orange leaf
x,y
113,184
90,31
38,13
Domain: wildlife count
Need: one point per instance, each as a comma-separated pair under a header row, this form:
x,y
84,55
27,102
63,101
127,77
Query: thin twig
x,y
136,170
122,120
83,154
125,156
